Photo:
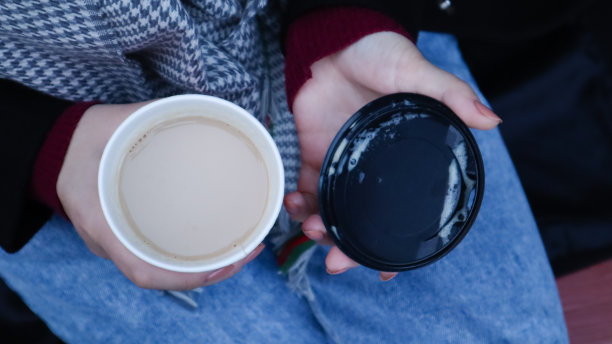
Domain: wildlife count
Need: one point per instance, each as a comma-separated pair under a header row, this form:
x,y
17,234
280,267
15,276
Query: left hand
x,y
77,189
378,64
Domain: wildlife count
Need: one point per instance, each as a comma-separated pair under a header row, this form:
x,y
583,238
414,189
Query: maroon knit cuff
x,y
326,31
51,156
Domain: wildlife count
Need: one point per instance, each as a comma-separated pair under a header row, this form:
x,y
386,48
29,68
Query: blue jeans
x,y
496,286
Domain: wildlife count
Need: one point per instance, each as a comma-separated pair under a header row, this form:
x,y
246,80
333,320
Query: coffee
x,y
193,188
191,183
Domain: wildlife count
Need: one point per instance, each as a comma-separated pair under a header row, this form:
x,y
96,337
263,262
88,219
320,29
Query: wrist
x,y
83,154
321,33
51,156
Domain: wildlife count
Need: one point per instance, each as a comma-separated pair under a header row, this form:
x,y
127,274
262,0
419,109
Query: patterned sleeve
x,y
408,13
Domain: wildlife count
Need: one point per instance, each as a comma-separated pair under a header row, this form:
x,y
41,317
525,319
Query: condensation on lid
x,y
401,183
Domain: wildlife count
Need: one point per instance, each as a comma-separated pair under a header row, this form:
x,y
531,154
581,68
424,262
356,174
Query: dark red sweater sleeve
x,y
322,32
51,156
28,119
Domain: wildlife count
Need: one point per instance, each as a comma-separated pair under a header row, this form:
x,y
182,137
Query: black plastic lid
x,y
401,183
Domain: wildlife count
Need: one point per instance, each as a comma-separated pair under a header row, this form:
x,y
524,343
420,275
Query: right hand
x,y
77,189
376,65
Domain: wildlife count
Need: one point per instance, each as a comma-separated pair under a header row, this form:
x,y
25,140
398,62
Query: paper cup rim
x,y
118,142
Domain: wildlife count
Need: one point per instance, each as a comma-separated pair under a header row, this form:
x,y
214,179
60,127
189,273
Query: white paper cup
x,y
172,108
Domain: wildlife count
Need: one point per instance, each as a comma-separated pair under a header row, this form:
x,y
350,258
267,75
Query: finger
x,y
91,244
404,69
229,271
315,230
96,249
221,274
447,88
386,276
300,205
308,182
337,262
147,276
253,254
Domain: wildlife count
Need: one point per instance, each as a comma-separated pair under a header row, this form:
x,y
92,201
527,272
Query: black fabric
x,y
409,13
557,111
27,116
506,21
506,59
17,322
501,65
485,20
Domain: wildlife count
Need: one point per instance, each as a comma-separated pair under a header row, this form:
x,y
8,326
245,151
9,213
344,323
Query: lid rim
x,y
367,114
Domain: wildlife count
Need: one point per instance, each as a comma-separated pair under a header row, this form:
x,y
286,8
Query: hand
x,y
378,64
77,189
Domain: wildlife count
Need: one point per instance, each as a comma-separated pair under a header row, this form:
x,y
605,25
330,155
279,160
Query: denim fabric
x,y
496,286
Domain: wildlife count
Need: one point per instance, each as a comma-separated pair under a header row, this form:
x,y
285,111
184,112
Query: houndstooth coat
x,y
119,51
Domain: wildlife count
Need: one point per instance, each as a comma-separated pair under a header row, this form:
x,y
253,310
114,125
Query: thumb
x,y
429,80
404,69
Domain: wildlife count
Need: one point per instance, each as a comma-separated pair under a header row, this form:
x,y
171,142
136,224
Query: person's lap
x,y
496,285
84,298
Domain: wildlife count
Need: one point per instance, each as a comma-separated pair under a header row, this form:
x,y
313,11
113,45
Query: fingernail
x,y
254,254
485,111
220,273
336,272
386,277
288,208
290,204
314,235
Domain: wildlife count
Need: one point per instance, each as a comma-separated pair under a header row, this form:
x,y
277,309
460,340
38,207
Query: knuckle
x,y
141,278
82,221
